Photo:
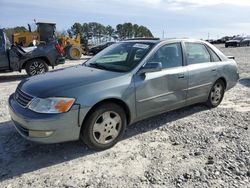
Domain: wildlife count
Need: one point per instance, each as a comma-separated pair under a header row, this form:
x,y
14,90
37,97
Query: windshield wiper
x,y
99,66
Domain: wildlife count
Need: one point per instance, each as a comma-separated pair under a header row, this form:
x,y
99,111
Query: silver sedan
x,y
127,82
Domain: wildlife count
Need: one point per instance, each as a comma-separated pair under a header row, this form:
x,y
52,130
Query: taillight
x,y
59,48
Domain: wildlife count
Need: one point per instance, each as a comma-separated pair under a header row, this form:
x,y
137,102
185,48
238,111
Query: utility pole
x,y
163,33
166,32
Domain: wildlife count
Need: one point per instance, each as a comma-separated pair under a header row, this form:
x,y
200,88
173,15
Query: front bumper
x,y
45,128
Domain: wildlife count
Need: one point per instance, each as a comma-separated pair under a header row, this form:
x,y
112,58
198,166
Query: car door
x,y
4,62
163,90
202,72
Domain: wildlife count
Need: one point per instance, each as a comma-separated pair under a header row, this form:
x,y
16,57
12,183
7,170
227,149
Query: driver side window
x,y
169,55
1,42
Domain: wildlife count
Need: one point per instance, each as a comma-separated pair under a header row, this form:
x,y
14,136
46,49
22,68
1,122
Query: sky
x,y
177,18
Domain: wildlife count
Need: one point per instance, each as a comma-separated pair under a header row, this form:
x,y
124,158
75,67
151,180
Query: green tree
x,y
97,30
135,30
109,30
128,30
143,32
120,31
76,29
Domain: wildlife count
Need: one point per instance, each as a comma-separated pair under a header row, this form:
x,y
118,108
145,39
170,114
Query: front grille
x,y
22,98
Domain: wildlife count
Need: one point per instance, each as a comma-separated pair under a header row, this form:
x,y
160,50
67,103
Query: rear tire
x,y
104,127
74,53
216,94
36,66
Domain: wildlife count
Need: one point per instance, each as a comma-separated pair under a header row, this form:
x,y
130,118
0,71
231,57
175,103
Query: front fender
x,y
115,89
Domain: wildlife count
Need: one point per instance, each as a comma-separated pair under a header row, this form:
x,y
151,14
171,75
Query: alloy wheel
x,y
107,127
37,68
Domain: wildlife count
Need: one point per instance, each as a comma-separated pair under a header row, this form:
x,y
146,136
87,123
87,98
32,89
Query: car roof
x,y
171,40
141,40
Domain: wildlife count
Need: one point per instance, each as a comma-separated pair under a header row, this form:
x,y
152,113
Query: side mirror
x,y
151,67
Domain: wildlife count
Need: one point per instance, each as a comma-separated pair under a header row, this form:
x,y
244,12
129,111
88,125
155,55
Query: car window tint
x,y
169,55
214,55
197,53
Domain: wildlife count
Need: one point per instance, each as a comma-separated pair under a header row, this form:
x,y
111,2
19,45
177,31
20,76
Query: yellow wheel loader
x,y
45,32
72,47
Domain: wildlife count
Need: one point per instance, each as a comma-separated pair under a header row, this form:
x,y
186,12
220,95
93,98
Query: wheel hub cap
x,y
216,93
107,127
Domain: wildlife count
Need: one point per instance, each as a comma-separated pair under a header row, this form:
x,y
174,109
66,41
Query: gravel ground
x,y
190,147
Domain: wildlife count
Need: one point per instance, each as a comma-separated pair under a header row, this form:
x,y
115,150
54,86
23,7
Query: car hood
x,y
48,84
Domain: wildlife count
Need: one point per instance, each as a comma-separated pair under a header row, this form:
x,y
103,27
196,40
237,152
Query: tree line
x,y
120,32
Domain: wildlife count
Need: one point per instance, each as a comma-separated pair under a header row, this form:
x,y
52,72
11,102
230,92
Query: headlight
x,y
51,105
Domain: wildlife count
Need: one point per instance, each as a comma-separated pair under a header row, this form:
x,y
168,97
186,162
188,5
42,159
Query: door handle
x,y
214,69
181,76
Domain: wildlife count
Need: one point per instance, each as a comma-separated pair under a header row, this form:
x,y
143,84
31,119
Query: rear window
x,y
237,38
215,57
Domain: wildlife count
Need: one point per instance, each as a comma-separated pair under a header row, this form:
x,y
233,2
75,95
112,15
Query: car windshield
x,y
237,38
120,57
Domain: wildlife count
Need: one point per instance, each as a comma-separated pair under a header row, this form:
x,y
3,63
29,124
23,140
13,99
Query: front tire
x,y
36,66
216,94
104,127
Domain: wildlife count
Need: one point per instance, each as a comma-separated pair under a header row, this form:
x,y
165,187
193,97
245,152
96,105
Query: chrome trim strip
x,y
195,87
26,93
22,93
154,97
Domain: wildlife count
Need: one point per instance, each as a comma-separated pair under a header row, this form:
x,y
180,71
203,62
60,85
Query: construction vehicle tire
x,y
74,53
